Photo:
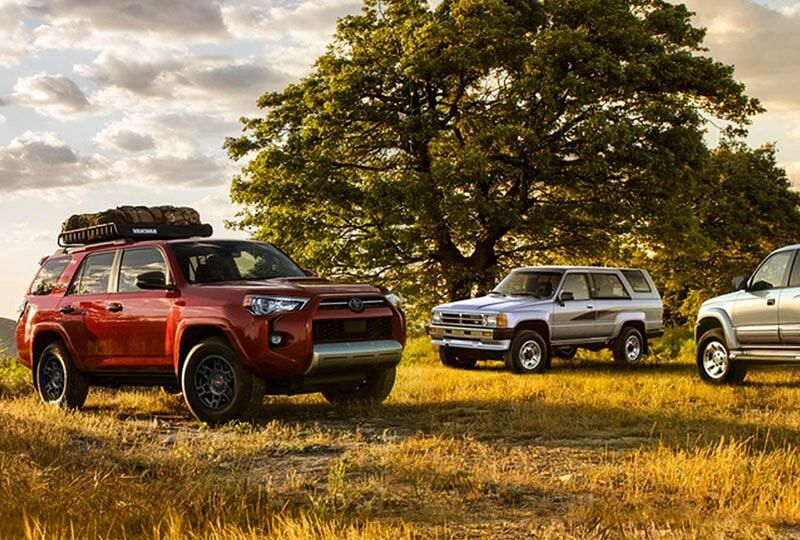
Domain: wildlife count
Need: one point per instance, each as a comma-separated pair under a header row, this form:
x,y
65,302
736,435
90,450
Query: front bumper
x,y
473,338
348,356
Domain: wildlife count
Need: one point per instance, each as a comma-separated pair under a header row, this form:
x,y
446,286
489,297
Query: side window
x,y
637,281
47,277
794,280
136,262
94,274
608,286
772,273
578,285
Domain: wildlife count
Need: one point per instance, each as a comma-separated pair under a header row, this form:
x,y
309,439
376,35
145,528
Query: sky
x,y
115,102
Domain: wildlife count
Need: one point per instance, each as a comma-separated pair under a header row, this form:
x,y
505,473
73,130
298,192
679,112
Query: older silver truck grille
x,y
462,319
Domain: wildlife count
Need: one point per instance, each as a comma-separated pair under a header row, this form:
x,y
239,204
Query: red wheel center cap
x,y
218,382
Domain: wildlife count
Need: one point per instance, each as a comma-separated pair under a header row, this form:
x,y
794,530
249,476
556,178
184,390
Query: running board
x,y
767,355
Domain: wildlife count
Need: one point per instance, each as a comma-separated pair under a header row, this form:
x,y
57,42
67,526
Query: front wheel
x,y
58,380
629,347
216,386
713,360
375,388
529,353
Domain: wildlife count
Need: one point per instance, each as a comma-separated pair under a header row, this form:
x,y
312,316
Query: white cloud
x,y
174,133
51,95
197,83
793,171
760,42
41,160
15,41
95,24
196,170
307,19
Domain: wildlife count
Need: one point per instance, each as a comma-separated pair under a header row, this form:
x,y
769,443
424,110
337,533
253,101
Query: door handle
x,y
770,301
590,306
67,310
114,307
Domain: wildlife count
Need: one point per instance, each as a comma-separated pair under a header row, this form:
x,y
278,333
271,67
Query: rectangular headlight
x,y
437,317
264,306
495,320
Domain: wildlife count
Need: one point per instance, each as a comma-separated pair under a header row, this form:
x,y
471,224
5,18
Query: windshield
x,y
529,283
209,262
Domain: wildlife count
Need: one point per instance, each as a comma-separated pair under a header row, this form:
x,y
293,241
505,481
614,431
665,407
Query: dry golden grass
x,y
586,450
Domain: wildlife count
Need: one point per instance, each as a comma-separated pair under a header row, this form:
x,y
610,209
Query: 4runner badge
x,y
356,304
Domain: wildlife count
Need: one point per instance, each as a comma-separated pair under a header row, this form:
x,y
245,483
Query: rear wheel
x,y
713,360
529,353
375,388
453,359
216,386
58,380
629,347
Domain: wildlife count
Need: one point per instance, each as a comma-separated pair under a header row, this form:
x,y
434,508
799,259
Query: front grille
x,y
339,330
462,319
342,303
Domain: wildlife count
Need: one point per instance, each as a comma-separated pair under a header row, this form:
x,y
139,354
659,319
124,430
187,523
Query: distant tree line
x,y
431,149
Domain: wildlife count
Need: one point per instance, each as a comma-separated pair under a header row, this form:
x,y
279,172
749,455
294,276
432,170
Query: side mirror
x,y
565,296
309,273
739,283
153,281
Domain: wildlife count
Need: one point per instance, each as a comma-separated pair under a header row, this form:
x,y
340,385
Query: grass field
x,y
586,450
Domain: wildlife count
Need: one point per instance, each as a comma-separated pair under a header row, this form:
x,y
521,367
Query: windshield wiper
x,y
526,294
498,293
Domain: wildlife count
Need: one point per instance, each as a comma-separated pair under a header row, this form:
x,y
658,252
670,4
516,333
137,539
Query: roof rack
x,y
108,232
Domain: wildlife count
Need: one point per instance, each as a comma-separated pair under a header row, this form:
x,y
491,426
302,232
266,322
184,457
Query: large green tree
x,y
430,147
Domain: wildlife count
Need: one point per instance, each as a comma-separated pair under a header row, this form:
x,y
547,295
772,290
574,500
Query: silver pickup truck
x,y
536,312
759,323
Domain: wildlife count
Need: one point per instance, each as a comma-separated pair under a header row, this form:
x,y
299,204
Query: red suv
x,y
224,322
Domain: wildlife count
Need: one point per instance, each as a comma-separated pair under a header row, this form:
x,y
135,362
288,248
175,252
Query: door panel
x,y
789,309
756,315
139,317
611,297
576,318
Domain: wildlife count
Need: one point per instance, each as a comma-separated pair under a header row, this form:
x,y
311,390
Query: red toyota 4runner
x,y
224,322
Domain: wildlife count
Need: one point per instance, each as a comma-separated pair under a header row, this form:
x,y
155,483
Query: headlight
x,y
395,299
264,306
437,317
495,320
21,310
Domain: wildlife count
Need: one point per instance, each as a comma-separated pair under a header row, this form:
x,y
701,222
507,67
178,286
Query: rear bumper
x,y
356,355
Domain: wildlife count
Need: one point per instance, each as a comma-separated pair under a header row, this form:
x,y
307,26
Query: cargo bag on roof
x,y
133,223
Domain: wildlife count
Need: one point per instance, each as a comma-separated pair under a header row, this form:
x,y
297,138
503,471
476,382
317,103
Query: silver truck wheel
x,y
629,347
529,353
715,360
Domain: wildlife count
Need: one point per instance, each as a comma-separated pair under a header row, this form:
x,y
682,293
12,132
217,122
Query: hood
x,y
295,286
493,303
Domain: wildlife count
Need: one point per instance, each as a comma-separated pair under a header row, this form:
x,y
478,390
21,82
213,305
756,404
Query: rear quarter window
x,y
47,277
637,281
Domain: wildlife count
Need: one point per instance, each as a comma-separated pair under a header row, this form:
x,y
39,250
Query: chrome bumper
x,y
473,344
332,357
473,338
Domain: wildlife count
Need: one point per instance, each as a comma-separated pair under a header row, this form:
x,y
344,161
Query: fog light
x,y
276,339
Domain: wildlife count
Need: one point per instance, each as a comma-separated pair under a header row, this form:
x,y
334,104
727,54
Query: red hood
x,y
306,286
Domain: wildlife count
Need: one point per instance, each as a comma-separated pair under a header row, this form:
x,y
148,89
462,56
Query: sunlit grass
x,y
586,450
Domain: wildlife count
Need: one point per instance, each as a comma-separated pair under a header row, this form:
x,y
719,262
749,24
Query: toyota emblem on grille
x,y
356,304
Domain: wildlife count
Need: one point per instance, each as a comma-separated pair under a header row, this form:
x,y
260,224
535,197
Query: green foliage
x,y
14,377
432,148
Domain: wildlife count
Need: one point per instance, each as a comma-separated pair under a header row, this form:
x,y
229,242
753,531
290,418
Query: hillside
x,y
7,327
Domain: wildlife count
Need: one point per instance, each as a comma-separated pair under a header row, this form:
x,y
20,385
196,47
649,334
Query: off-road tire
x,y
451,358
374,389
565,353
733,373
624,350
70,387
523,354
216,386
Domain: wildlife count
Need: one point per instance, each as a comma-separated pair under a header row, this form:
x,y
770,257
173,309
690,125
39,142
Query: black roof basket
x,y
108,232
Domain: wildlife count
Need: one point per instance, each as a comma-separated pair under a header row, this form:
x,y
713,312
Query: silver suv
x,y
758,323
536,311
